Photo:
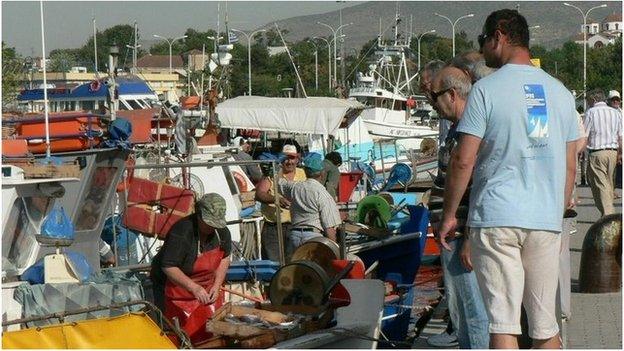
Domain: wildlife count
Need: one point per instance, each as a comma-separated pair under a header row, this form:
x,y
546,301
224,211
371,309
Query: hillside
x,y
558,23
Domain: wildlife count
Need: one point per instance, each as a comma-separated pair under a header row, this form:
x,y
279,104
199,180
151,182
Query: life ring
x,y
240,181
125,180
95,86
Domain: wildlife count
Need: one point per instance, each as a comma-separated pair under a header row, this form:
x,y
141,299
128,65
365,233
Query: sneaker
x,y
443,340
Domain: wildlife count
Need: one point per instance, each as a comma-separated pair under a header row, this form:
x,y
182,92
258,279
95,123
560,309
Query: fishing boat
x,y
386,91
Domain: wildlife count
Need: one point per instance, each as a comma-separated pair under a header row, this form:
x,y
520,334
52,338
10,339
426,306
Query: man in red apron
x,y
190,268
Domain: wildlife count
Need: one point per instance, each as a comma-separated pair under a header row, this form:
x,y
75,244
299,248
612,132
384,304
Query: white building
x,y
604,33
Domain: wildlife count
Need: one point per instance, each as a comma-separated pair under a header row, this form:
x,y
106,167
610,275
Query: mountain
x,y
558,23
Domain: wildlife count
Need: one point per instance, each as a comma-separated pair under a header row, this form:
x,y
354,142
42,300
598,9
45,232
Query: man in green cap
x,y
189,270
313,210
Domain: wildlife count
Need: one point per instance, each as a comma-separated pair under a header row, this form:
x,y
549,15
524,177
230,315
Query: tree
x,y
120,35
12,74
62,60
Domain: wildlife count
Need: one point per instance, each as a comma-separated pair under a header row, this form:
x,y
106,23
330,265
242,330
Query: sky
x,y
68,24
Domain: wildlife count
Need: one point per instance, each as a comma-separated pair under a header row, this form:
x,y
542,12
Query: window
x,y
134,104
94,203
23,223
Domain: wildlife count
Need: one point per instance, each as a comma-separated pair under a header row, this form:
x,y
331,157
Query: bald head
x,y
452,78
450,89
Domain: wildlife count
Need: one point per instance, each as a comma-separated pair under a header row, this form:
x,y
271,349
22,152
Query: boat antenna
x,y
379,37
45,84
291,60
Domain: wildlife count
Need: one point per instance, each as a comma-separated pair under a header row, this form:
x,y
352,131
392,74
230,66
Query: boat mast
x,y
95,45
46,110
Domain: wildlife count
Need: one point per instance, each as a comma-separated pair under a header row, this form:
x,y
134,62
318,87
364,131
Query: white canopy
x,y
312,115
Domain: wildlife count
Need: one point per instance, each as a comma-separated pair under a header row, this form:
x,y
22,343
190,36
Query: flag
x,y
233,38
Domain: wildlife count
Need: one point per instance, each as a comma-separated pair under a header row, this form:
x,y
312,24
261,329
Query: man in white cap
x,y
614,100
264,194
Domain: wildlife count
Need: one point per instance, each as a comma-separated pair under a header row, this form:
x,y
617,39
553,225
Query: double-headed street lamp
x,y
249,37
420,37
329,64
315,64
453,25
335,41
170,42
584,14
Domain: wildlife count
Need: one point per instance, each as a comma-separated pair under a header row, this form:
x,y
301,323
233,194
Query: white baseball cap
x,y
289,150
614,94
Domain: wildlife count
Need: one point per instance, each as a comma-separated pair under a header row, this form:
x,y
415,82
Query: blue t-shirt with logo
x,y
524,117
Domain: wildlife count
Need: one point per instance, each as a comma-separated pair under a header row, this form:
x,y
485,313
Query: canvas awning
x,y
312,115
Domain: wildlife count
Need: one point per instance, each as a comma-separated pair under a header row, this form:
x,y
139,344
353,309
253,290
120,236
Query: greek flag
x,y
233,38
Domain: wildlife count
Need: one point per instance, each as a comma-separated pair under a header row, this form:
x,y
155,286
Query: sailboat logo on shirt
x,y
537,113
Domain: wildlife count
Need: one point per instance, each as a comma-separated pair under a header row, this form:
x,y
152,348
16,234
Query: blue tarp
x,y
128,85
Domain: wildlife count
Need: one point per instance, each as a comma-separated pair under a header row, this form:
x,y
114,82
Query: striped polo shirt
x,y
603,125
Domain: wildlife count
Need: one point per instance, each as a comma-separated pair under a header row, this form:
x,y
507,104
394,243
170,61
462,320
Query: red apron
x,y
183,305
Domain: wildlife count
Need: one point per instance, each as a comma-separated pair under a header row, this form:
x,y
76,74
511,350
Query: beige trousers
x,y
516,267
600,176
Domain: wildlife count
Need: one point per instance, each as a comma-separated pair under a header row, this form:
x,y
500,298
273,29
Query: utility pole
x,y
342,54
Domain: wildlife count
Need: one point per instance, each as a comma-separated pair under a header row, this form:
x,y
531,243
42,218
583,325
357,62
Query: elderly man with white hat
x,y
264,194
614,100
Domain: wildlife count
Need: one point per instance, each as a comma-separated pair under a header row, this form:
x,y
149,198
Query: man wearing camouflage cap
x,y
313,210
189,269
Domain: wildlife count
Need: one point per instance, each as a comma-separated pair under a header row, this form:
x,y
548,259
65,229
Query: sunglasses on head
x,y
435,95
481,39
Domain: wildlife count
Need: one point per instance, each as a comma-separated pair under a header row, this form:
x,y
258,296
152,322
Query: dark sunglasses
x,y
436,95
481,39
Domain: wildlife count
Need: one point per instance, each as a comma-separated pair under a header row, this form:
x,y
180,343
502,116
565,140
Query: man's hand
x,y
464,255
213,293
201,294
284,202
446,231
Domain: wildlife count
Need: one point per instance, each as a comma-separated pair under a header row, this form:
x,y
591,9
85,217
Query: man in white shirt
x,y
614,100
313,210
603,125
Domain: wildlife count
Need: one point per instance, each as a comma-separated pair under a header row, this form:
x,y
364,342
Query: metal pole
x,y
170,45
419,38
383,166
316,69
584,14
46,109
95,46
278,218
453,25
249,64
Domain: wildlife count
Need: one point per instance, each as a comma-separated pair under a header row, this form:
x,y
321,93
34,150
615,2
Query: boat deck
x,y
596,321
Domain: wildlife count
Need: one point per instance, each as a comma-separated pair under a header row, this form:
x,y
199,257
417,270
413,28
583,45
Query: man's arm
x,y
570,171
458,175
262,191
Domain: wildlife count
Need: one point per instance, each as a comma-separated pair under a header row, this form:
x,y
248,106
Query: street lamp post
x,y
453,25
584,14
170,42
335,42
315,64
329,65
420,37
249,37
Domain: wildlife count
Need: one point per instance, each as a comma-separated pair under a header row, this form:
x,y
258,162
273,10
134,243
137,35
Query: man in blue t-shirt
x,y
517,133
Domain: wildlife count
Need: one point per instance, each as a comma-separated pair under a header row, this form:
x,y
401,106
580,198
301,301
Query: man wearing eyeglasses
x,y
450,89
518,133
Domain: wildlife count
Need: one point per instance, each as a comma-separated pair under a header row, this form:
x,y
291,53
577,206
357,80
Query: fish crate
x,y
228,333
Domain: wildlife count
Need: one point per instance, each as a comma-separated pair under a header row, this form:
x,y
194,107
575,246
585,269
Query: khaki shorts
x,y
516,267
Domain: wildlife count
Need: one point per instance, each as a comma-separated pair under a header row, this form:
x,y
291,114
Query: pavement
x,y
596,321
